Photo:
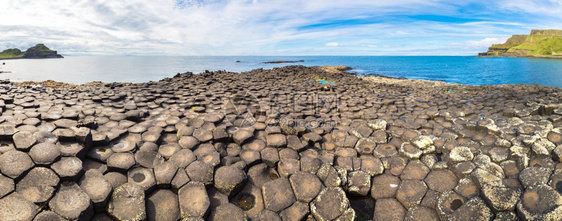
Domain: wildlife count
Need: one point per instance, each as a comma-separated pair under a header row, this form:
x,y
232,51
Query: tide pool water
x,y
454,69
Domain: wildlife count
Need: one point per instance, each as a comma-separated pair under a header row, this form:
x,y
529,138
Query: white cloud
x,y
332,44
485,43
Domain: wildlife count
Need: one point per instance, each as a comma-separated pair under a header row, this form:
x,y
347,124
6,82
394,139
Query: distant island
x,y
281,62
36,52
538,44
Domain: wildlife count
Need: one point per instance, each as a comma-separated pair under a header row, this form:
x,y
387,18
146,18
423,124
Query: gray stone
x,y
14,163
121,161
415,169
501,197
242,135
68,168
162,205
306,186
23,140
193,200
389,209
44,153
116,179
199,171
411,192
295,212
182,158
267,215
48,216
421,213
359,183
278,195
6,186
127,203
384,186
164,173
72,203
39,185
441,180
97,187
276,140
532,176
148,159
330,204
142,177
188,142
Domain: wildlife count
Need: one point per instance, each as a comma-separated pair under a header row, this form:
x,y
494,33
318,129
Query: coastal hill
x,y
37,51
540,43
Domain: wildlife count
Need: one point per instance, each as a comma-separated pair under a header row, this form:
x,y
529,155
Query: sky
x,y
271,27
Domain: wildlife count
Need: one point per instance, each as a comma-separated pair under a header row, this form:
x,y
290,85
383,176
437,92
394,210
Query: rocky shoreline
x,y
280,145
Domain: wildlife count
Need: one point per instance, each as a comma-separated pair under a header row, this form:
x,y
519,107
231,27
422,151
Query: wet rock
x,y
14,163
277,194
384,186
199,171
228,211
72,203
389,209
441,180
229,180
162,205
16,207
127,203
193,201
330,204
142,177
306,186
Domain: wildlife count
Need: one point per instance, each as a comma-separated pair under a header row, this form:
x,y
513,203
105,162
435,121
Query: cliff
x,y
35,52
539,43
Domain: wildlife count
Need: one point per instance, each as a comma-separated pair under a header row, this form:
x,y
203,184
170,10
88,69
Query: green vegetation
x,y
37,51
540,43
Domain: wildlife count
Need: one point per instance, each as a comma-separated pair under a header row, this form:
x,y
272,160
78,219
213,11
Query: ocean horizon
x,y
470,70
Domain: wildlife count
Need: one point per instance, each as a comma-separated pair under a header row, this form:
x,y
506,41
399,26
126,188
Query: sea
x,y
454,69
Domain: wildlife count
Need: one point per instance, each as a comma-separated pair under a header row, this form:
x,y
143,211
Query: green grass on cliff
x,y
540,45
11,53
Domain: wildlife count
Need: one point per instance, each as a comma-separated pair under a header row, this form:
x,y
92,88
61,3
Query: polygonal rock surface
x,y
142,177
411,192
229,180
127,203
441,180
540,203
6,185
23,140
227,211
38,185
193,200
389,209
97,187
71,202
501,197
15,207
277,194
199,171
68,167
162,205
330,204
359,183
384,186
306,186
14,163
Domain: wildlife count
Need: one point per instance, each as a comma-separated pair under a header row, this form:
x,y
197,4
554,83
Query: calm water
x,y
456,69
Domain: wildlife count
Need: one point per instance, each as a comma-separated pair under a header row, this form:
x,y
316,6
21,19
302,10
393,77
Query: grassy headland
x,y
540,43
37,51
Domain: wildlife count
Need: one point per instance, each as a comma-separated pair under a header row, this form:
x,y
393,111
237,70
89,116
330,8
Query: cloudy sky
x,y
271,27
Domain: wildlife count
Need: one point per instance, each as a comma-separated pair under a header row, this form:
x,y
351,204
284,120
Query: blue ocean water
x,y
454,69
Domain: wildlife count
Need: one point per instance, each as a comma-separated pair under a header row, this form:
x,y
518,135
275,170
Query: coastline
x,y
276,143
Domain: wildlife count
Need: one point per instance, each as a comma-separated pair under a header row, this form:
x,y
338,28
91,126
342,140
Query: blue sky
x,y
271,27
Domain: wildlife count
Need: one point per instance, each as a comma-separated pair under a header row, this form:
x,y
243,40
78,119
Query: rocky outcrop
x,y
540,43
36,52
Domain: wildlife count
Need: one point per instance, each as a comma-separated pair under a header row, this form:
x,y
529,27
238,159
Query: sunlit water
x,y
455,69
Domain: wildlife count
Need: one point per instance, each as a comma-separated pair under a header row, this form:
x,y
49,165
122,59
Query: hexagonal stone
x,y
411,192
38,185
97,187
6,186
72,149
448,203
410,151
475,208
23,140
295,212
286,167
116,179
372,165
142,177
395,164
71,202
421,213
44,153
277,194
384,186
68,168
16,207
295,143
540,202
229,180
254,145
14,163
164,173
460,154
389,209
532,176
182,158
48,216
309,164
162,205
193,200
127,203
242,135
188,142
365,146
330,204
359,183
467,188
501,197
441,180
415,169
199,171
306,186
329,176
227,211
148,159
276,140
